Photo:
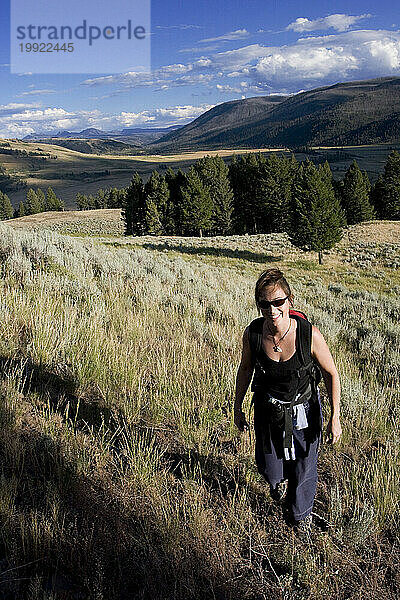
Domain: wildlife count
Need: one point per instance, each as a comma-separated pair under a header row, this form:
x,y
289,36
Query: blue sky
x,y
203,53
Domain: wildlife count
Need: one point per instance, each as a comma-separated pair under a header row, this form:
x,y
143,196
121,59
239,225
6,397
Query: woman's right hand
x,y
240,420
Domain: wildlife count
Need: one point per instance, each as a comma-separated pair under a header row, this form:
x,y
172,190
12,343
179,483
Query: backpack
x,y
283,415
304,330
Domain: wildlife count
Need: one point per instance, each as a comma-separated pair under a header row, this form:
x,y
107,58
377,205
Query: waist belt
x,y
292,411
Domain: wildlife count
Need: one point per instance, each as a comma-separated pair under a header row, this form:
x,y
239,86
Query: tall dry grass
x,y
122,474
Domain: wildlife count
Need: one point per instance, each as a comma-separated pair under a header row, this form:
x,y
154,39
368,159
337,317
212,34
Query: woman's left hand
x,y
333,430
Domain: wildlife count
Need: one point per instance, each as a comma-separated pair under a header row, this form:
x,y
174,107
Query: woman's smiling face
x,y
274,314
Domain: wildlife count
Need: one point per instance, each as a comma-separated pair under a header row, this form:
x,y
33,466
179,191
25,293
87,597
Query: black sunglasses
x,y
266,304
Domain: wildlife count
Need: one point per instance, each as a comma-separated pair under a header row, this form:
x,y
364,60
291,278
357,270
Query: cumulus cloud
x,y
18,120
163,116
244,87
316,60
176,68
309,61
385,53
339,22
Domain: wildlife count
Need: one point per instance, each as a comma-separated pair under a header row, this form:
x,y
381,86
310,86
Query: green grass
x,y
122,474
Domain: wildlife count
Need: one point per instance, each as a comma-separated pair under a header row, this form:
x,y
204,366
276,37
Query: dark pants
x,y
301,473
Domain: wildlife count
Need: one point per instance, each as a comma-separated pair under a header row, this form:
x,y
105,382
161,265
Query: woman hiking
x,y
281,349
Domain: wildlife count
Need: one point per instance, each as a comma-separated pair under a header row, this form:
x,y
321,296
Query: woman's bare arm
x,y
243,379
323,356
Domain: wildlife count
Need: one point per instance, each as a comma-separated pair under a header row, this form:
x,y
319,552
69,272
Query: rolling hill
x,y
358,112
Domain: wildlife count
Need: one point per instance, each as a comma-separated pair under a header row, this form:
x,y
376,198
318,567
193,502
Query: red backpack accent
x,y
297,313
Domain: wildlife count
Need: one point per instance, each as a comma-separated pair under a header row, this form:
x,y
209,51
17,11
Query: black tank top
x,y
280,379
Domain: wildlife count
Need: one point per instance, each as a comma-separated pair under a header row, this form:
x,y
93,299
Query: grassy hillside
x,y
93,146
122,474
106,221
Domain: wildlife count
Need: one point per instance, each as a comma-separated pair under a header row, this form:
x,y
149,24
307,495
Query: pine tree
x,y
157,197
152,217
262,192
91,202
245,180
81,201
175,183
52,202
390,200
276,182
21,212
41,199
378,197
367,183
116,198
32,204
214,175
197,206
355,196
316,216
6,209
101,199
133,211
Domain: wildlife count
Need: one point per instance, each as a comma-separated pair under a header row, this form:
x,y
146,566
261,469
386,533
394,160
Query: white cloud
x,y
339,22
199,49
37,93
230,89
163,116
309,61
16,106
238,59
203,62
238,34
17,120
244,87
386,53
316,60
316,63
166,77
178,27
176,69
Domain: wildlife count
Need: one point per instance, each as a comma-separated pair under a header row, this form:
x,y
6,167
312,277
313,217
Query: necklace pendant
x,y
277,348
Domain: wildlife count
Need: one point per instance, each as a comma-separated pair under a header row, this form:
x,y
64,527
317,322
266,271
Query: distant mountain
x,y
135,135
89,133
358,112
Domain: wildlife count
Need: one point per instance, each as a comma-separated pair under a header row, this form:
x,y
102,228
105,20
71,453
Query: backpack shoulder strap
x,y
304,329
304,348
255,336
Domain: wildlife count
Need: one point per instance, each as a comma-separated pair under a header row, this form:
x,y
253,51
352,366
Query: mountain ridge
x,y
355,112
91,133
